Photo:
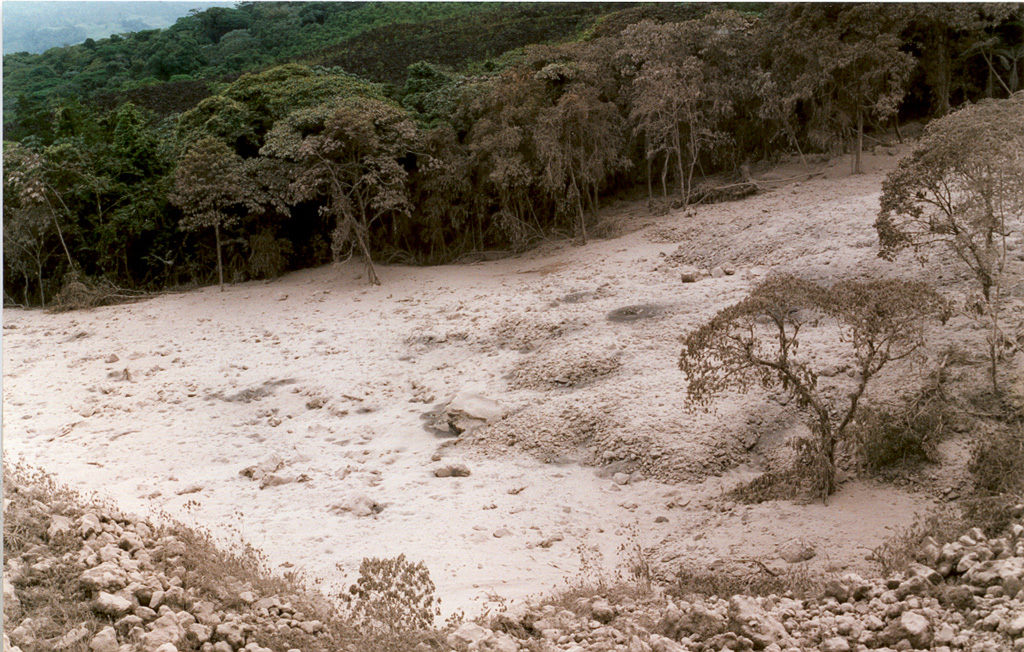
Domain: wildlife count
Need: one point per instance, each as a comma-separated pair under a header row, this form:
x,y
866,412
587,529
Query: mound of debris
x,y
79,579
969,596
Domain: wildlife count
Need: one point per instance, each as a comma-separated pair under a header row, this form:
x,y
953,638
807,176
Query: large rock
x,y
748,619
467,634
72,640
112,605
468,411
359,505
108,576
910,626
58,525
995,572
264,467
12,605
104,641
164,629
795,551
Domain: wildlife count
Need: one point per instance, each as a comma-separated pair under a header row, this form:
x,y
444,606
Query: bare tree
x,y
962,190
758,341
210,184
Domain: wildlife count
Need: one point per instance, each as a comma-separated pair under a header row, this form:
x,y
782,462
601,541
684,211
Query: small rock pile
x,y
136,587
969,595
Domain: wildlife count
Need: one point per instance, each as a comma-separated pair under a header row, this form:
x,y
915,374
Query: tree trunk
x,y
679,163
42,294
650,189
664,176
361,230
220,261
579,208
857,168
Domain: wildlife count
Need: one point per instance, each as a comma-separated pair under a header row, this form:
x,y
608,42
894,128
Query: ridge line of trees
x,y
325,164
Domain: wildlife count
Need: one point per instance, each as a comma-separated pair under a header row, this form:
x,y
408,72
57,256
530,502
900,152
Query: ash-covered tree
x,y
680,91
579,136
348,157
962,190
759,341
845,62
29,195
211,188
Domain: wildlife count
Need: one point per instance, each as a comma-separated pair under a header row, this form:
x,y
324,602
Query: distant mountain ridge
x,y
38,26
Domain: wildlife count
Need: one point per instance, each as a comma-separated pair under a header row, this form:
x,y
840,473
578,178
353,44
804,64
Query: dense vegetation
x,y
274,136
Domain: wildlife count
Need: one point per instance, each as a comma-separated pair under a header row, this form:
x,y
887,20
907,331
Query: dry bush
x,y
80,292
393,602
895,554
908,433
745,577
773,485
268,256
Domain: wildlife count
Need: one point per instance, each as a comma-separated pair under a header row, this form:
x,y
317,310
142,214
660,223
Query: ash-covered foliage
x,y
759,341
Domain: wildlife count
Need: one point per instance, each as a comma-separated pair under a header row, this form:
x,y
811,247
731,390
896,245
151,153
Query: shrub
x,y
996,462
80,292
906,434
896,553
393,597
268,255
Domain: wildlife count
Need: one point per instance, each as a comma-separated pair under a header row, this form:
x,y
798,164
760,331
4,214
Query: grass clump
x,y
744,577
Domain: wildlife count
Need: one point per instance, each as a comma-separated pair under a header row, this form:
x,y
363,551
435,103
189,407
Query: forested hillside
x,y
274,136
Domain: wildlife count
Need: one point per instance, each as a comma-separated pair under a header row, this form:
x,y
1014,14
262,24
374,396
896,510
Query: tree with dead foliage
x,y
347,157
844,62
962,189
210,187
758,341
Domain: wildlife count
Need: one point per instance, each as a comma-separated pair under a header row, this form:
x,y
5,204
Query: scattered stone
x,y
501,532
359,505
191,488
276,479
111,359
748,619
621,478
452,471
689,274
795,551
72,639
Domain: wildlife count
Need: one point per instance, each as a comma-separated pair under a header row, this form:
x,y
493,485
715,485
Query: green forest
x,y
244,142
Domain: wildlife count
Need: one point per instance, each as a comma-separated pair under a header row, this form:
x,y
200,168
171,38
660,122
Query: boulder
x,y
359,505
748,619
12,605
468,411
911,626
266,466
795,551
104,641
163,630
112,605
108,576
467,634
